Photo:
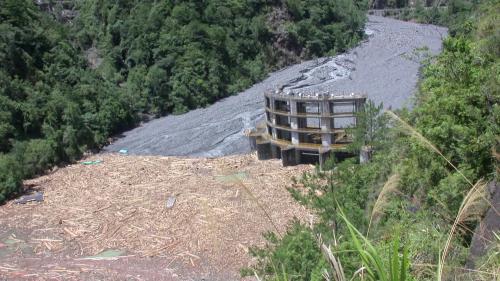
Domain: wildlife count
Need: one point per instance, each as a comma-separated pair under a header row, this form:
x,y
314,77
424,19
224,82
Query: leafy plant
x,y
422,176
395,269
294,257
371,127
10,177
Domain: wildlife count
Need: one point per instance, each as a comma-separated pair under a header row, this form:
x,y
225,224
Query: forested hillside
x,y
192,53
411,212
450,13
148,58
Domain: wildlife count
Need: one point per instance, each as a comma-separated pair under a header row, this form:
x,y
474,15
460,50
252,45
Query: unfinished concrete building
x,y
305,128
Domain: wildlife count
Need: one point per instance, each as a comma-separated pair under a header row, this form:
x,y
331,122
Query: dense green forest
x,y
450,13
409,214
67,86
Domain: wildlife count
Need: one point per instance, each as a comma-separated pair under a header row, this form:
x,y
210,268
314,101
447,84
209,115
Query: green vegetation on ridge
x,y
195,52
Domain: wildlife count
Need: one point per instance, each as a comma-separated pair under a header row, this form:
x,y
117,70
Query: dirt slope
x,y
385,68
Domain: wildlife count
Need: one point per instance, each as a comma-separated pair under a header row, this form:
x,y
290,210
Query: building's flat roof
x,y
314,96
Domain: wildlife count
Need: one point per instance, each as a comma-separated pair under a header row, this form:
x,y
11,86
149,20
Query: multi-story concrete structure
x,y
305,128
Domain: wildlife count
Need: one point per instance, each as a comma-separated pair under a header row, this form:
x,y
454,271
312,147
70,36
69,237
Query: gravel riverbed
x,y
385,67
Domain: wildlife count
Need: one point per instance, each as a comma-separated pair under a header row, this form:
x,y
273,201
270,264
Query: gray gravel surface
x,y
385,67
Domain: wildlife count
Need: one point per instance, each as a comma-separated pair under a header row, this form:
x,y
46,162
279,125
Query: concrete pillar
x,y
293,107
288,157
294,121
325,124
326,139
295,138
264,151
272,117
253,142
274,133
326,136
323,156
325,107
275,152
365,154
298,159
332,123
273,108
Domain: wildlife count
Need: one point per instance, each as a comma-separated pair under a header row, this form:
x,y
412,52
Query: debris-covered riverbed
x,y
385,67
119,217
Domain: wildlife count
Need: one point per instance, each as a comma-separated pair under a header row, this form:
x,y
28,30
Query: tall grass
x,y
395,269
338,273
390,187
468,208
414,133
470,204
374,267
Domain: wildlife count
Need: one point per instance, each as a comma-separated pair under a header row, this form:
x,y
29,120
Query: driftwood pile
x,y
120,202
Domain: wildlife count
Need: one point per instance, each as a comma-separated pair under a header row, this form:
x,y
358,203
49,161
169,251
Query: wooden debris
x,y
132,203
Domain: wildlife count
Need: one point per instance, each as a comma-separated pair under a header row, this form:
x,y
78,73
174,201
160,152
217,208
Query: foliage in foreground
x,y
375,267
425,183
296,256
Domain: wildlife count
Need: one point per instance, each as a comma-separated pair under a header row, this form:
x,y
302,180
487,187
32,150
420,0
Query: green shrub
x,y
449,142
10,177
296,256
378,268
34,156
